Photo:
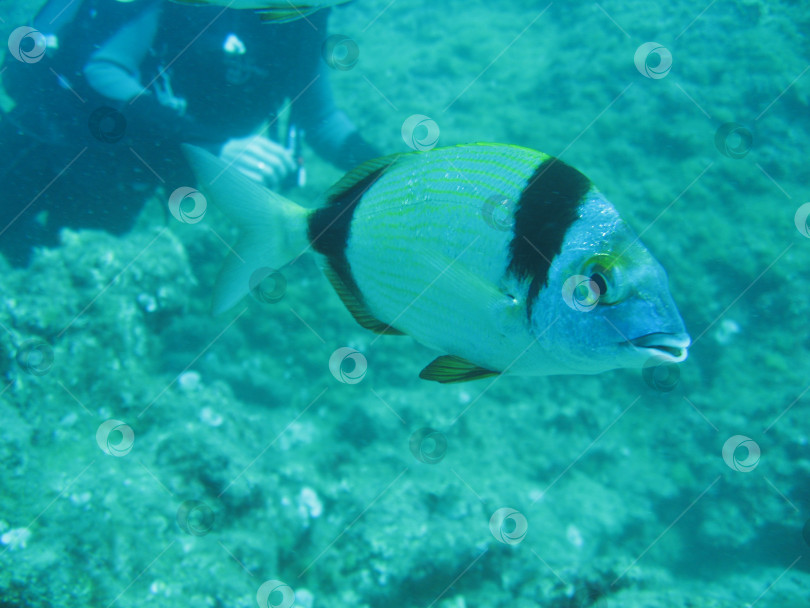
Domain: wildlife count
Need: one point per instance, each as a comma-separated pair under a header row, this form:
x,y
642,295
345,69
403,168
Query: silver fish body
x,y
504,258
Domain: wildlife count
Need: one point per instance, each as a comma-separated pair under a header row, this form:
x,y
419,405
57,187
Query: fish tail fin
x,y
274,229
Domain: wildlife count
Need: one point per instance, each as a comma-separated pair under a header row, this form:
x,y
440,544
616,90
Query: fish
x,y
503,259
271,11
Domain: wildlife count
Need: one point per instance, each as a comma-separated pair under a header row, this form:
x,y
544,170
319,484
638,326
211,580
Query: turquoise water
x,y
250,462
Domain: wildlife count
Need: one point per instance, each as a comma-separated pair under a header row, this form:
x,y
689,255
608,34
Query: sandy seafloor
x,y
626,495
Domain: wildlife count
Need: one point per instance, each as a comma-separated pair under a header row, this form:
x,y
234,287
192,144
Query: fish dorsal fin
x,y
356,307
449,368
359,173
286,15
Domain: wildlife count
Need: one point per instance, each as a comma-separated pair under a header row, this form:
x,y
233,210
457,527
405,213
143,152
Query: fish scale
x,y
403,237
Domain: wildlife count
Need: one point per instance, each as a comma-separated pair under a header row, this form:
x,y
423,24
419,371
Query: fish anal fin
x,y
357,308
449,368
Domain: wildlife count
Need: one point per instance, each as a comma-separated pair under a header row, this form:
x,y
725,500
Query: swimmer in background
x,y
100,117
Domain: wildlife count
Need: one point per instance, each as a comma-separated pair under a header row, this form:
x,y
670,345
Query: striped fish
x,y
504,259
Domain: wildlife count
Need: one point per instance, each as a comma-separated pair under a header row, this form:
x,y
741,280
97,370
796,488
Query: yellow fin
x,y
449,368
357,308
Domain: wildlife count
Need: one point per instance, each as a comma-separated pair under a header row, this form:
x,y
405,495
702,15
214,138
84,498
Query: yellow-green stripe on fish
x,y
502,258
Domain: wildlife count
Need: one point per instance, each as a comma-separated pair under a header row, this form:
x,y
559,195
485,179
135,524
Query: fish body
x,y
503,258
271,10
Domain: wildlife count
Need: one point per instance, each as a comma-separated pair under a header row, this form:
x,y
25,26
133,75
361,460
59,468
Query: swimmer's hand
x,y
260,158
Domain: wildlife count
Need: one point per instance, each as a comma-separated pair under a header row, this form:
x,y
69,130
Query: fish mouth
x,y
672,347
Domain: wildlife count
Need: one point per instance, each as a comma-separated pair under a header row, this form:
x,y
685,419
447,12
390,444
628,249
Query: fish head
x,y
607,303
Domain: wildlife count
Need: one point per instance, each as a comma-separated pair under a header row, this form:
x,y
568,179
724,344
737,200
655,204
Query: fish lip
x,y
672,347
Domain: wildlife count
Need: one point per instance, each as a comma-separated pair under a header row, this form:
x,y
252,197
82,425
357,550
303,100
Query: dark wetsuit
x,y
99,119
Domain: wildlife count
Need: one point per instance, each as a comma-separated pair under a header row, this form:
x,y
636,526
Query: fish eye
x,y
605,271
601,283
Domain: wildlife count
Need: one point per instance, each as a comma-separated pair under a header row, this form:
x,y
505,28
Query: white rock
x,y
16,538
189,381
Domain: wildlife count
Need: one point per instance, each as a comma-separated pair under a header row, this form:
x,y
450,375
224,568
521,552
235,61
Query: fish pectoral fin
x,y
356,307
480,297
449,368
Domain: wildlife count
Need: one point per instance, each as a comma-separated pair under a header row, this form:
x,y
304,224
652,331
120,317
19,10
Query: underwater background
x,y
239,458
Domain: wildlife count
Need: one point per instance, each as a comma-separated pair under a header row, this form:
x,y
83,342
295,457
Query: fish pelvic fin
x,y
448,369
274,229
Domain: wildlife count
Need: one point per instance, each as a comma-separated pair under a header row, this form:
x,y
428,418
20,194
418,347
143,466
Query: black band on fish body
x,y
330,226
547,208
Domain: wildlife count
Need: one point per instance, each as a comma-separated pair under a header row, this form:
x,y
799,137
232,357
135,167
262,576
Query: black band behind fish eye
x,y
547,208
